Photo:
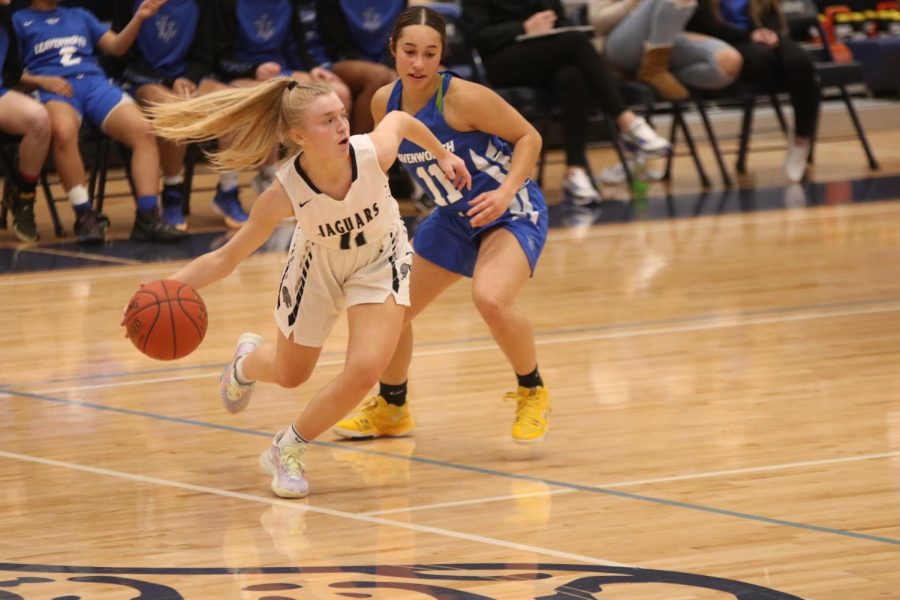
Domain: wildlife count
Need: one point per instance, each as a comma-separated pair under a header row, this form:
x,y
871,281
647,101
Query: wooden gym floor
x,y
726,419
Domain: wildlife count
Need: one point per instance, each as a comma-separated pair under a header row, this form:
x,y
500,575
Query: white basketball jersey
x,y
367,212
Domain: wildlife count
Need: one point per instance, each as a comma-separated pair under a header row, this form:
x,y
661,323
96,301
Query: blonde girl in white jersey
x,y
350,249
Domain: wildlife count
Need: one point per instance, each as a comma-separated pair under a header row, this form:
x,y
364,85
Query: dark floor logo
x,y
472,581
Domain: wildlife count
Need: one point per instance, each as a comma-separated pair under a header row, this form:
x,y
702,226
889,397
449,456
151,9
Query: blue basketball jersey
x,y
263,28
487,158
4,48
164,40
58,42
370,22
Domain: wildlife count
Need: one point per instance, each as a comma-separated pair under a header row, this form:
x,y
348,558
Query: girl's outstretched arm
x,y
272,206
117,44
397,126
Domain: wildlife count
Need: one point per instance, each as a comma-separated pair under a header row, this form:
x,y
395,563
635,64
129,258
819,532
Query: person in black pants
x,y
567,63
757,29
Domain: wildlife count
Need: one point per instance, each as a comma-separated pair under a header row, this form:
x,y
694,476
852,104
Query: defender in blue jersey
x,y
248,42
164,62
58,47
21,115
493,233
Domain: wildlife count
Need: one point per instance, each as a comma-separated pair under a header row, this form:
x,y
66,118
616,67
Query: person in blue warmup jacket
x,y
58,46
162,63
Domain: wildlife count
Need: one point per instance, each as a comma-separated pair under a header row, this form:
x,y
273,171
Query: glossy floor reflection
x,y
49,256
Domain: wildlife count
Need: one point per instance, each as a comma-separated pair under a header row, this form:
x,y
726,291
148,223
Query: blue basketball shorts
x,y
93,96
447,239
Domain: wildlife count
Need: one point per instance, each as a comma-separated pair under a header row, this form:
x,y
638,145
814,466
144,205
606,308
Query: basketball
x,y
166,319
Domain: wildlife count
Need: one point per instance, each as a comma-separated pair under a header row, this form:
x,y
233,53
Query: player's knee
x,y
291,377
64,134
384,76
364,375
142,134
491,306
729,62
37,122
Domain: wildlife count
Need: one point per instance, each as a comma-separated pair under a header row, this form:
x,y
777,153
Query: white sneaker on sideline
x,y
580,188
795,162
285,465
236,395
640,137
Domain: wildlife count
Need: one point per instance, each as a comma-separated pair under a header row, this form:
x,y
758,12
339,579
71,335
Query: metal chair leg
x,y
701,172
673,136
713,141
741,164
873,164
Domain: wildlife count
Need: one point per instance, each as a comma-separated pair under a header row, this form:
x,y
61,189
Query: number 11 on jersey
x,y
450,194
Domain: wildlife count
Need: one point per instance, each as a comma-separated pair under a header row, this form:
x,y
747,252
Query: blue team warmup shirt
x,y
263,28
164,40
59,42
370,22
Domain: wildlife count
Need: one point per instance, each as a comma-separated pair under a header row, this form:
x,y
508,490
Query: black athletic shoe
x,y
91,227
148,227
21,205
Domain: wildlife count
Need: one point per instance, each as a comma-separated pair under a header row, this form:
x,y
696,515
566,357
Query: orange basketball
x,y
166,319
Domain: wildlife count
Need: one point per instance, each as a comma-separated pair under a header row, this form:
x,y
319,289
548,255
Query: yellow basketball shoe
x,y
532,414
376,418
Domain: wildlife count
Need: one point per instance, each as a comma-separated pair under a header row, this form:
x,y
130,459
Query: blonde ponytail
x,y
250,120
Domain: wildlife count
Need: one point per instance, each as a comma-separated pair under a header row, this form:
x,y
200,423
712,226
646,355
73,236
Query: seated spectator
x,y
566,63
57,45
248,42
23,116
160,64
757,29
356,35
645,39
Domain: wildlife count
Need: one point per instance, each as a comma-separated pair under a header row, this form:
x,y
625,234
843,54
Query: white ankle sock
x,y
228,181
78,195
290,437
239,372
174,180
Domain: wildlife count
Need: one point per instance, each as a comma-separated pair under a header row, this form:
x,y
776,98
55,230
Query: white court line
x,y
722,322
203,375
315,509
623,484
